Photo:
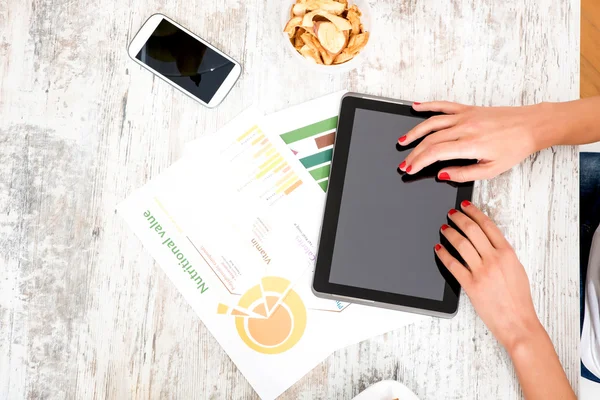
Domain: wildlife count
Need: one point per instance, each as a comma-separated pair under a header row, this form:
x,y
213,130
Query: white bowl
x,y
386,390
365,19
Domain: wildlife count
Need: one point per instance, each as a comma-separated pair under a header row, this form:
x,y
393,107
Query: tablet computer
x,y
380,225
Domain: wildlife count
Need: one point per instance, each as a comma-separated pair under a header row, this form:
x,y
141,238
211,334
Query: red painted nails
x,y
438,247
416,103
452,212
444,227
465,203
402,164
409,168
444,176
402,139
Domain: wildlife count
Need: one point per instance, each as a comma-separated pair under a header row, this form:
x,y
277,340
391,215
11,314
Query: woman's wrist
x,y
538,367
550,125
530,334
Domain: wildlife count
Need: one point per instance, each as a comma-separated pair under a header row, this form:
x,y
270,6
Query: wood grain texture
x,y
85,313
590,48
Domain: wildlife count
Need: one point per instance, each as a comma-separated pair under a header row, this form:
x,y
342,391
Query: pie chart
x,y
270,317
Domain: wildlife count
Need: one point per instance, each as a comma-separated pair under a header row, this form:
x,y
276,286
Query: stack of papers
x,y
235,225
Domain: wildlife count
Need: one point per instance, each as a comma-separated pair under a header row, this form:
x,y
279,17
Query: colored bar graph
x,y
269,160
286,184
312,144
285,178
248,132
265,148
325,140
310,130
258,139
271,151
293,187
280,167
321,172
269,167
275,163
317,158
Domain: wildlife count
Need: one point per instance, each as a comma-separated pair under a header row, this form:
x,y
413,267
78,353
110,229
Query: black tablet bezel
x,y
321,284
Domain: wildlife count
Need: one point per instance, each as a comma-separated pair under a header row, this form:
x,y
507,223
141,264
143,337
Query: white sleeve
x,y
590,333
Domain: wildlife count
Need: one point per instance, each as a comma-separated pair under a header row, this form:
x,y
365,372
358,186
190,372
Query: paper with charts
x,y
234,225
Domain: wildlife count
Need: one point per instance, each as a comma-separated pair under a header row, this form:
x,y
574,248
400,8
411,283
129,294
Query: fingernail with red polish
x,y
444,227
465,203
451,212
409,168
416,103
438,247
402,164
444,176
402,139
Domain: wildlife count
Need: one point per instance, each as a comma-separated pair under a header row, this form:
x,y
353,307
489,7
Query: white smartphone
x,y
184,60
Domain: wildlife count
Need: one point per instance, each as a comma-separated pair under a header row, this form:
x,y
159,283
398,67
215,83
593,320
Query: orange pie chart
x,y
275,319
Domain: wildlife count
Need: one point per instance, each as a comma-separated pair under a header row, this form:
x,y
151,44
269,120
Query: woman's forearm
x,y
538,368
571,123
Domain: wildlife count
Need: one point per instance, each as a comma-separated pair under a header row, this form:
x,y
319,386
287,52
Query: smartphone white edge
x,y
142,36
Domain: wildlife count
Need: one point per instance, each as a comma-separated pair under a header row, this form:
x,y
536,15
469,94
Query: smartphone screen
x,y
185,61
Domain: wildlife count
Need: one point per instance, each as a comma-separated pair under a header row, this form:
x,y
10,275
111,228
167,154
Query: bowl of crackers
x,y
328,35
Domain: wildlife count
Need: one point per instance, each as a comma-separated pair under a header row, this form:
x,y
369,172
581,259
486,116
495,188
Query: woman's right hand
x,y
498,137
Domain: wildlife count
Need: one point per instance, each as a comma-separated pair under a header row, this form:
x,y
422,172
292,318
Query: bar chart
x,y
260,167
313,145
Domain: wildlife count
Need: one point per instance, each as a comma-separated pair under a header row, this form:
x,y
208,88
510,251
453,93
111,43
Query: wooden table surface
x,y
85,313
590,48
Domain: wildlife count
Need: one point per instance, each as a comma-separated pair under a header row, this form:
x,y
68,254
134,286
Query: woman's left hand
x,y
498,287
493,276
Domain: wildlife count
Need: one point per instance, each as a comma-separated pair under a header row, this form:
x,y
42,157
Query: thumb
x,y
469,173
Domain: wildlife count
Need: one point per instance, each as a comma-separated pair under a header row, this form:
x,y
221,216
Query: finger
x,y
440,152
469,173
463,246
446,107
432,124
459,271
472,231
491,230
446,135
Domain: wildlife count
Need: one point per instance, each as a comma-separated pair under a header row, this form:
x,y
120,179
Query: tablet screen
x,y
388,222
